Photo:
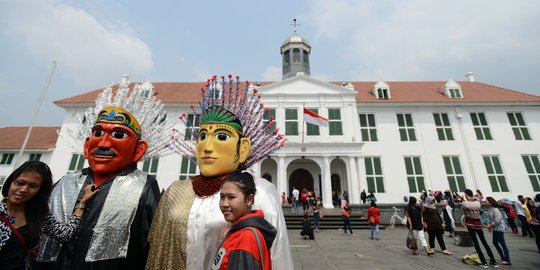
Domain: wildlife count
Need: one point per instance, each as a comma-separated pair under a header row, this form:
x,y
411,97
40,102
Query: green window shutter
x,y
489,166
373,135
146,165
73,163
417,165
10,158
437,119
401,121
535,182
408,166
80,164
528,164
369,166
155,163
377,164
452,183
461,183
440,134
526,134
371,184
380,185
487,134
502,183
457,165
412,135
335,128
493,182
412,184
291,128
184,166
474,119
421,185
448,165
403,134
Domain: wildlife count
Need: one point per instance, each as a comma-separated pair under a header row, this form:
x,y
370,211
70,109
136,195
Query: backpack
x,y
511,212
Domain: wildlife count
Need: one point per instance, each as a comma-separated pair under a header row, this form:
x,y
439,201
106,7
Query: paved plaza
x,y
332,250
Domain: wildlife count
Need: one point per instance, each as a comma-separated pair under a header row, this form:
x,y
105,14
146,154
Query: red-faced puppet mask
x,y
114,143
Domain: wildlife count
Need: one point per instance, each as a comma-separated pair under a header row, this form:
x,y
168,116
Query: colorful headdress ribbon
x,y
117,115
237,104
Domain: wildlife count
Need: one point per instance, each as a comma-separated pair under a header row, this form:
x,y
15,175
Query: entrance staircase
x,y
331,219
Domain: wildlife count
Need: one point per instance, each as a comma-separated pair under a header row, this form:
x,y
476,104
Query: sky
x,y
95,42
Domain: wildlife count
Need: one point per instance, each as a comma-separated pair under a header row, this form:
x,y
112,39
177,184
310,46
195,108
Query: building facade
x,y
391,138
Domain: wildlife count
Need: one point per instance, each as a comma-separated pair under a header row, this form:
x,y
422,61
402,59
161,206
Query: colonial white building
x,y
394,138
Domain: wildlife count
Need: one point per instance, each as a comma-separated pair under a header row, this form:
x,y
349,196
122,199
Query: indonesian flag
x,y
314,118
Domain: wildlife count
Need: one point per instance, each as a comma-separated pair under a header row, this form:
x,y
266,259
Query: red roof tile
x,y
41,137
400,91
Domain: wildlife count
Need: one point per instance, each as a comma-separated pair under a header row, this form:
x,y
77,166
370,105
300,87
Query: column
x,y
326,184
257,169
282,176
355,187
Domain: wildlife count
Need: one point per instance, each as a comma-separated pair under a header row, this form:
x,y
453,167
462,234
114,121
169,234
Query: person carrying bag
x,y
411,241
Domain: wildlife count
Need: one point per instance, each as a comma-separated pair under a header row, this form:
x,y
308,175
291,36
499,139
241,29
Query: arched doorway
x,y
300,179
336,183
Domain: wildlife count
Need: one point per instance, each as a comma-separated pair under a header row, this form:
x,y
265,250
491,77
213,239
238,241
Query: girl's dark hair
x,y
244,181
468,192
412,201
493,202
373,204
36,208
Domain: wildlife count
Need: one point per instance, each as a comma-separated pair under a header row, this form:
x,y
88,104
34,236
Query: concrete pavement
x,y
331,250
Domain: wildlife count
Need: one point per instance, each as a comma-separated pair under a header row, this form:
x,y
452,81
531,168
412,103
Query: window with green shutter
x,y
481,128
521,132
7,158
291,122
35,156
415,179
188,168
76,163
270,114
442,124
374,177
454,173
334,122
406,127
192,127
495,173
312,130
368,130
150,166
532,165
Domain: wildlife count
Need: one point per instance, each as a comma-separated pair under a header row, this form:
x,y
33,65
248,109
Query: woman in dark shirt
x,y
415,224
434,224
22,213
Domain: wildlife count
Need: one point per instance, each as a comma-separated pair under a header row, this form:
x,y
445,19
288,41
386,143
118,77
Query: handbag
x,y
321,214
411,241
371,219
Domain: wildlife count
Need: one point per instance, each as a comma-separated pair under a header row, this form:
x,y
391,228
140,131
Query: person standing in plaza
x,y
470,207
508,207
448,217
498,227
316,215
434,225
525,229
296,197
536,226
346,217
415,224
363,196
304,199
374,220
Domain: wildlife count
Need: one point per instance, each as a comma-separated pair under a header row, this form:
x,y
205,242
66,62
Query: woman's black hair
x,y
373,204
244,181
36,208
468,192
412,201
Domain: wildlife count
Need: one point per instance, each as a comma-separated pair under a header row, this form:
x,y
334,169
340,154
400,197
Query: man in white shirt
x,y
525,228
296,196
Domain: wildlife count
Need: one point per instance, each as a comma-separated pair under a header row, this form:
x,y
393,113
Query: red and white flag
x,y
314,118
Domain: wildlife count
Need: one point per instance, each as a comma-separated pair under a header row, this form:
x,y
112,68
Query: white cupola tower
x,y
295,53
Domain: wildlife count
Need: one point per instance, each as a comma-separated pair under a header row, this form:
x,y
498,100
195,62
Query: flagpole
x,y
303,121
36,113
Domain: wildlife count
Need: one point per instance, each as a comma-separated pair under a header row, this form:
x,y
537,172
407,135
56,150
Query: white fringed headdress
x,y
231,101
141,102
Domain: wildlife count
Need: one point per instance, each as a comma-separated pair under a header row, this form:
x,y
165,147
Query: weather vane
x,y
294,25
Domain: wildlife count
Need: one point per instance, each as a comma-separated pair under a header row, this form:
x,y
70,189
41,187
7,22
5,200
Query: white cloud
x,y
427,40
87,50
272,74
